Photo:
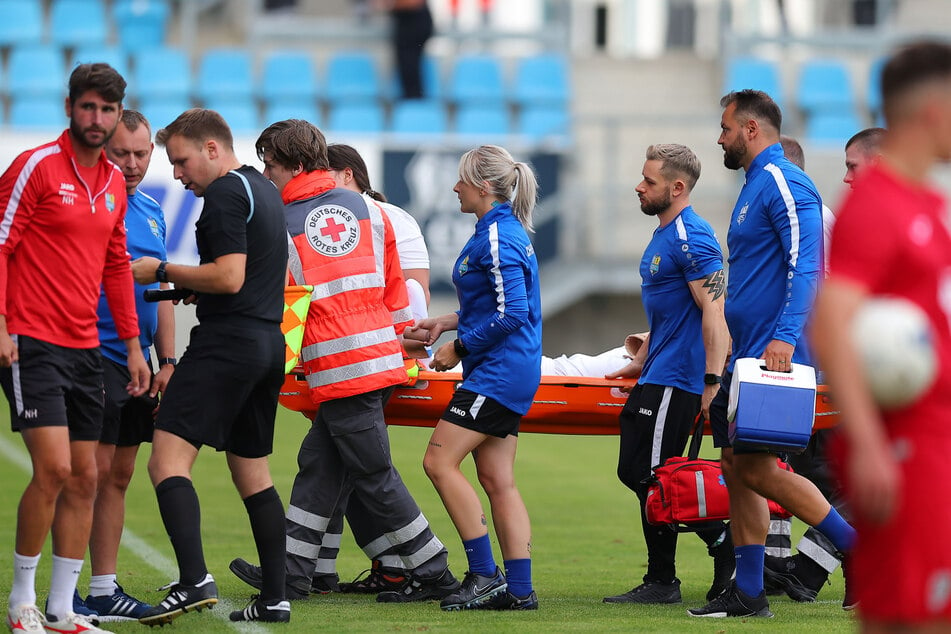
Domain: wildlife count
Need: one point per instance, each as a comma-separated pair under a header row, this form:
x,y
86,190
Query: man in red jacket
x,y
346,249
62,235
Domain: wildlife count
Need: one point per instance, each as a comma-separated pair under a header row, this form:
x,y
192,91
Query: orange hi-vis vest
x,y
346,249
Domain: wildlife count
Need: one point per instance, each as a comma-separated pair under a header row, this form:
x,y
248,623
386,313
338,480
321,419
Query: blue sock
x,y
479,554
839,532
749,568
518,574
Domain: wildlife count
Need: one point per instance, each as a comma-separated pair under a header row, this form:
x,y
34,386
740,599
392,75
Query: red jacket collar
x,y
65,142
307,185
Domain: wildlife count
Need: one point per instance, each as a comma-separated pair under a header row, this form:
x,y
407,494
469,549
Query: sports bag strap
x,y
693,450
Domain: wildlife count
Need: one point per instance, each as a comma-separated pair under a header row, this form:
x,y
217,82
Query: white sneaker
x,y
72,623
25,618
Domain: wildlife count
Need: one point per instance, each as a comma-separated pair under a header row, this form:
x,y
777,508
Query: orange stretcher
x,y
562,405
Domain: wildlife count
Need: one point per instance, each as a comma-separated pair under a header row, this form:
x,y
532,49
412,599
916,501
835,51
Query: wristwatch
x,y
460,349
167,361
711,379
160,273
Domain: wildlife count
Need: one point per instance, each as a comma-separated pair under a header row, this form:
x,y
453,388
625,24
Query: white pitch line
x,y
139,547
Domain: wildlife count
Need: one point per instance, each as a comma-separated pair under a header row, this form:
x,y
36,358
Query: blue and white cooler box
x,y
771,410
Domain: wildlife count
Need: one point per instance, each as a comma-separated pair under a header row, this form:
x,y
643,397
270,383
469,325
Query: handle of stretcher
x,y
158,295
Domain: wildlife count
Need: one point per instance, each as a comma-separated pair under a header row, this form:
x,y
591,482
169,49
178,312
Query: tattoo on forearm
x,y
714,284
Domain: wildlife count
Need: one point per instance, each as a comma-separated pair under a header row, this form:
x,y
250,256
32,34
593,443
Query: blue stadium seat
x,y
37,113
476,79
352,77
874,89
824,85
112,55
432,81
292,109
162,73
224,73
832,128
36,71
419,116
544,122
241,114
22,22
483,118
356,117
750,72
288,75
78,23
162,111
141,23
541,80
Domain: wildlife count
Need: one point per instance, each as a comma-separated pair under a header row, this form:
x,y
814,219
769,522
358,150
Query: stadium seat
x,y
22,22
36,71
824,85
419,116
112,55
476,79
479,118
241,114
292,109
352,77
162,111
77,23
141,23
874,88
832,128
37,113
541,80
224,73
759,74
288,75
356,117
542,122
162,73
432,81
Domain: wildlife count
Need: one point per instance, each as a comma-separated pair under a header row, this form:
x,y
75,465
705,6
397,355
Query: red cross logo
x,y
333,229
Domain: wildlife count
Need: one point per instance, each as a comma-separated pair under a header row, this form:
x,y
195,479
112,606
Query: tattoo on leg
x,y
433,443
484,523
714,284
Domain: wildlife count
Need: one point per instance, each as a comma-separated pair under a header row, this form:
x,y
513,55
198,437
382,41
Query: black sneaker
x,y
295,588
324,584
734,602
378,579
181,599
724,564
475,590
650,592
419,589
508,601
797,576
258,610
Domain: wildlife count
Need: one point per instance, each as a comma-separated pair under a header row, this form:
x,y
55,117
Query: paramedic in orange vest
x,y
352,358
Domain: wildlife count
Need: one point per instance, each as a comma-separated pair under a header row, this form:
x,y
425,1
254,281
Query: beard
x,y
733,155
653,208
79,134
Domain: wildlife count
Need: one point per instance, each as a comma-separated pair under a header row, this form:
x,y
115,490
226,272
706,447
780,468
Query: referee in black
x,y
224,391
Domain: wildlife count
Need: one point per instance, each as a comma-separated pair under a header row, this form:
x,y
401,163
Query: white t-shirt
x,y
409,238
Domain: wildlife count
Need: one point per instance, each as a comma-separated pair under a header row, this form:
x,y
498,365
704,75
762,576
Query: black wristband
x,y
459,348
711,379
160,274
167,361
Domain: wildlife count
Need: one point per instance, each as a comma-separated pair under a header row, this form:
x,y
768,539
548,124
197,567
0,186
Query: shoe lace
x,y
30,617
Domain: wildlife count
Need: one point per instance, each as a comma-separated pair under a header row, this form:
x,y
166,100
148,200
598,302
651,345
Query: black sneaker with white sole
x,y
650,592
475,590
508,601
734,603
266,612
422,589
181,599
